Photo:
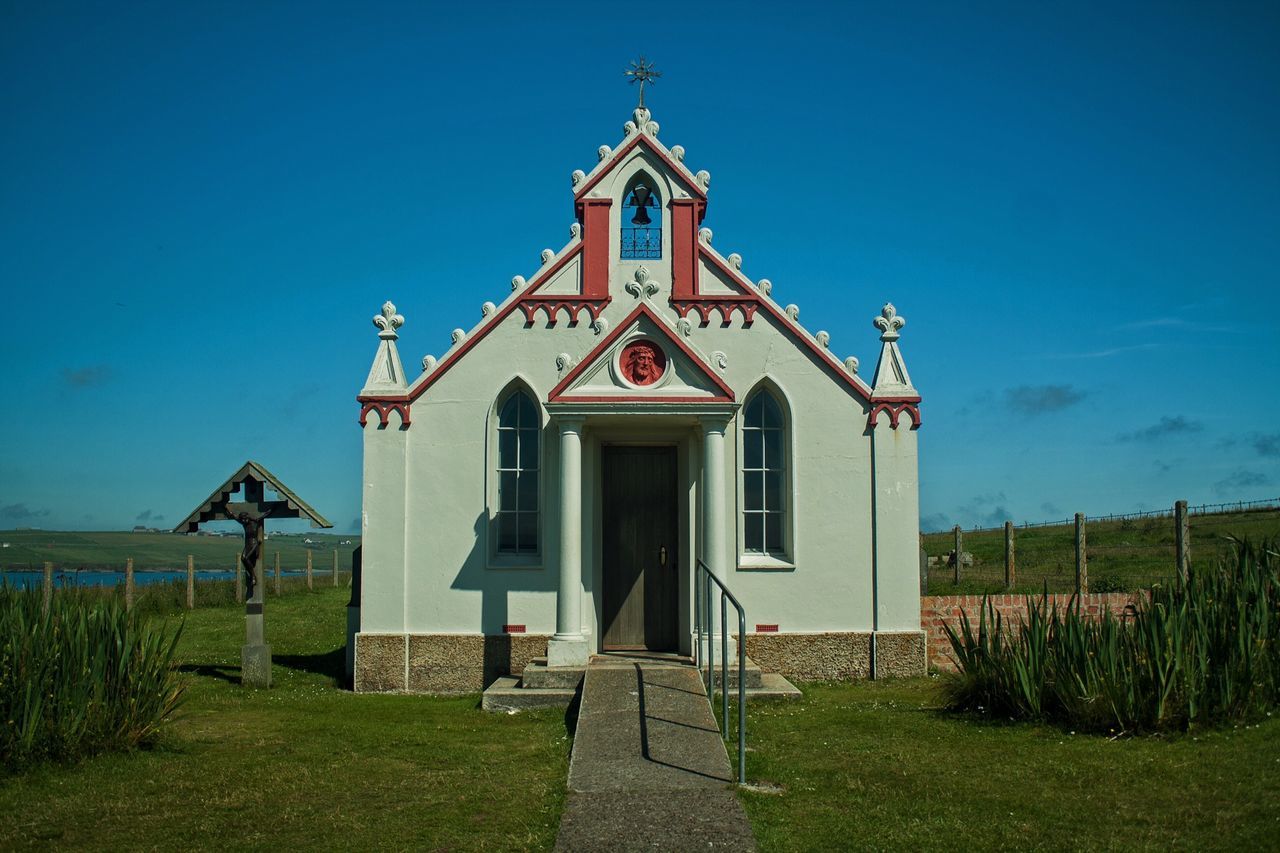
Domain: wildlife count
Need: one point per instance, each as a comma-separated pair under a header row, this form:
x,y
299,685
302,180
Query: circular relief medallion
x,y
642,362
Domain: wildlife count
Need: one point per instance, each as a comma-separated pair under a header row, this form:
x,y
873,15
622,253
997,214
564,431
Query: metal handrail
x,y
702,627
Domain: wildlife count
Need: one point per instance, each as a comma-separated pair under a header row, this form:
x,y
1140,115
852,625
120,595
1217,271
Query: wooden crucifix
x,y
251,512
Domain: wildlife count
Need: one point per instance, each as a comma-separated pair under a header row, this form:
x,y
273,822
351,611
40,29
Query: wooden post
x,y
191,582
277,575
1082,559
48,586
1008,555
335,567
959,545
1182,538
128,583
239,580
310,587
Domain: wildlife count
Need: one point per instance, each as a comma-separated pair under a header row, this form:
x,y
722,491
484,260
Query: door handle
x,y
662,556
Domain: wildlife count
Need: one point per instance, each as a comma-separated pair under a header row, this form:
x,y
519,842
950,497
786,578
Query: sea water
x,y
26,580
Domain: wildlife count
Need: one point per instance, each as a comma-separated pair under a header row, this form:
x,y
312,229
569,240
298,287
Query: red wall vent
x,y
766,629
513,629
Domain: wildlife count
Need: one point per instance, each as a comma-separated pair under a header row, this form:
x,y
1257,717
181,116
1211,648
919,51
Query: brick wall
x,y
939,610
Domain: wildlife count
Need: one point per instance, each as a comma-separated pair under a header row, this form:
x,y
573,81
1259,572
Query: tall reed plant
x,y
81,676
1203,650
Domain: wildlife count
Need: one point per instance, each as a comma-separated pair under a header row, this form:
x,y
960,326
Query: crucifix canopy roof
x,y
252,478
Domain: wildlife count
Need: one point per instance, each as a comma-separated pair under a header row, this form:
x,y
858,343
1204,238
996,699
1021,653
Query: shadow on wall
x,y
504,653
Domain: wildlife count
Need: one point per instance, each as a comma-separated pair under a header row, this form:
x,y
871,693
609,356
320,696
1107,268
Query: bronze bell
x,y
643,198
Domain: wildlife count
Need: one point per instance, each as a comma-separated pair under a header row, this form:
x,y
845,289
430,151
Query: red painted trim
x,y
595,254
637,139
642,309
551,303
384,408
684,252
895,408
513,629
619,398
766,629
726,305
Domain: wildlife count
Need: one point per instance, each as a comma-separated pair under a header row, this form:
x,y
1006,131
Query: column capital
x,y
714,423
571,423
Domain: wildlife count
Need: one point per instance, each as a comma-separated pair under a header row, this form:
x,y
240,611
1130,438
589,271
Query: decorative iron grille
x,y
641,242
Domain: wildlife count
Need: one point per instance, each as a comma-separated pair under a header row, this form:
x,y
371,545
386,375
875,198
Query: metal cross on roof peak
x,y
641,71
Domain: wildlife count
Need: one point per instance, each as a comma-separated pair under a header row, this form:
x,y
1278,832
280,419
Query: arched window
x,y
641,220
764,477
519,433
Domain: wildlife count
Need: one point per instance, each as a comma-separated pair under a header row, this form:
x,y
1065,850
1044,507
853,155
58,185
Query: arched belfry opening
x,y
641,220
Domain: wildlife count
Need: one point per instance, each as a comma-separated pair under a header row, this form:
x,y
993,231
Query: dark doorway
x,y
641,541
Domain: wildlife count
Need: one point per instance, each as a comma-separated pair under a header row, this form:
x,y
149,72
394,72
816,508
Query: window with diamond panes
x,y
764,476
518,462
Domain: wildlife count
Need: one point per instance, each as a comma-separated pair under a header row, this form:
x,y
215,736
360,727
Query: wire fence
x,y
1121,553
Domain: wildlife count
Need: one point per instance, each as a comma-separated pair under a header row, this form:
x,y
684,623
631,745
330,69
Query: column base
x,y
255,665
567,651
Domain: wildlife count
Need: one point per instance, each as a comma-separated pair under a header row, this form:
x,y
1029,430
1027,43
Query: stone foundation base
x,y
440,663
840,656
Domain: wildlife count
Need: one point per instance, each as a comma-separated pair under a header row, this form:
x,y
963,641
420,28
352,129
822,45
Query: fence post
x,y
959,542
239,579
335,567
277,574
191,582
48,586
924,571
1008,555
128,583
309,585
1182,538
1082,559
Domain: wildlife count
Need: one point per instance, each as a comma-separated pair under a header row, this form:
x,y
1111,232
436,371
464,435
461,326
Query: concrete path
x,y
649,770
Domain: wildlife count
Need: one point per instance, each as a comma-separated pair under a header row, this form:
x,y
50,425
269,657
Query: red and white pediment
x,y
642,360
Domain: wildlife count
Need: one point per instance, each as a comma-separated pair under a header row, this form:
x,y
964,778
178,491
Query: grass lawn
x,y
875,765
305,764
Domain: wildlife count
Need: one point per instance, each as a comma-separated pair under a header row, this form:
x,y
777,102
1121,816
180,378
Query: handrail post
x,y
724,665
742,697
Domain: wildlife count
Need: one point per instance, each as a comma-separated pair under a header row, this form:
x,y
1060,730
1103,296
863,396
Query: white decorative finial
x,y
677,153
889,322
793,311
604,152
458,336
564,361
704,234
517,283
766,286
575,231
720,360
684,326
487,309
388,321
851,364
824,339
428,363
703,178
643,284
735,260
547,256
600,325
578,176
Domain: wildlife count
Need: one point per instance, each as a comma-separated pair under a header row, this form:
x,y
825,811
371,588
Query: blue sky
x,y
1075,206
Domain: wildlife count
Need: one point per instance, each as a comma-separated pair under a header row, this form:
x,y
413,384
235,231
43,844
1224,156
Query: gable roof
x,y
643,310
642,138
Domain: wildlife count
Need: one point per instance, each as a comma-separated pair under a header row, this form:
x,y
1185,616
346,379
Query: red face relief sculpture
x,y
643,363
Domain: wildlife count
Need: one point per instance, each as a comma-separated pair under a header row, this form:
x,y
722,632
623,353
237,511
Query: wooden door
x,y
641,538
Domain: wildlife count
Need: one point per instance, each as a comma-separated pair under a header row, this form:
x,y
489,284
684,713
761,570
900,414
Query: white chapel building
x,y
547,486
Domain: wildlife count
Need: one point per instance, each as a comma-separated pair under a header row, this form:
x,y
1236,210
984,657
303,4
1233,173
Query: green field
x,y
30,549
1123,555
308,764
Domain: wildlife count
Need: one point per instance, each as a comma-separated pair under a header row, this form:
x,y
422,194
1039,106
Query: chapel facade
x,y
547,486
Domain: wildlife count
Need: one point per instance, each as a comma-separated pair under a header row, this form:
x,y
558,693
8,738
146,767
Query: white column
x,y
568,647
714,547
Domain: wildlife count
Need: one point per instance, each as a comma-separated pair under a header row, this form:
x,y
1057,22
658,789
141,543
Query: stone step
x,y
539,676
506,694
753,671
